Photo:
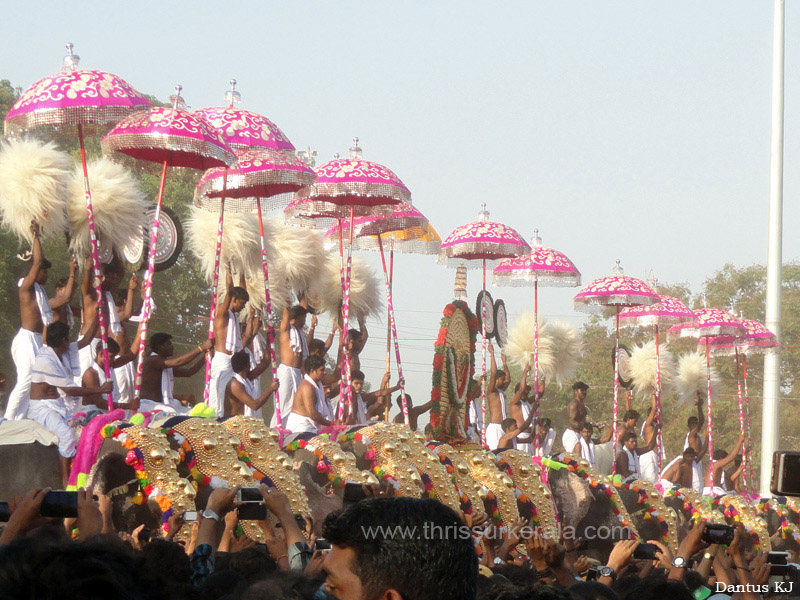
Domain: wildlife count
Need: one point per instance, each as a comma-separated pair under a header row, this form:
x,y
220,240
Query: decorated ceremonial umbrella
x,y
172,137
266,167
544,266
710,323
756,340
618,291
350,187
77,98
480,243
667,311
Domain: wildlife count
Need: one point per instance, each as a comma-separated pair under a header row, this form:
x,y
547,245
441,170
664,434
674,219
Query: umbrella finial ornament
x,y
460,288
71,60
483,215
704,300
308,156
335,156
355,151
536,241
618,271
232,97
177,100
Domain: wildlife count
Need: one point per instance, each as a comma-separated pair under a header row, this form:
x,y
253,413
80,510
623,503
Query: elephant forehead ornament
x,y
211,454
528,480
656,509
260,451
469,488
391,458
696,504
156,467
738,509
483,470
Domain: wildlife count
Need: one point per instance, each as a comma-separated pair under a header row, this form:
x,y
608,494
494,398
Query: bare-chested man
x,y
520,409
294,350
721,480
306,415
241,392
577,414
680,471
414,412
649,461
228,341
65,289
159,371
95,377
496,400
35,314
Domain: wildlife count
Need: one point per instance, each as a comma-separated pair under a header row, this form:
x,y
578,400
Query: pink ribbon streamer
x,y
485,382
535,364
616,396
214,285
659,439
268,310
347,396
710,426
745,483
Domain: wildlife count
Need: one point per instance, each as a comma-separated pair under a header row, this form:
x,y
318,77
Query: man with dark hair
x,y
35,314
680,471
700,447
719,481
577,414
510,432
414,412
95,376
52,385
356,340
546,436
159,371
369,405
316,346
585,447
241,391
496,399
309,401
294,350
228,340
649,430
628,458
65,288
520,409
424,552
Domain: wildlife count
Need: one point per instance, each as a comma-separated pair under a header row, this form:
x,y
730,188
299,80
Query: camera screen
x,y
790,480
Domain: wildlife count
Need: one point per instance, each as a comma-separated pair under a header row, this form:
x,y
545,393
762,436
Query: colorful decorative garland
x,y
371,456
734,509
786,528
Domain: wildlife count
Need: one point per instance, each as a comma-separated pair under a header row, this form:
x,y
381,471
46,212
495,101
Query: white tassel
x,y
691,378
642,369
365,290
560,347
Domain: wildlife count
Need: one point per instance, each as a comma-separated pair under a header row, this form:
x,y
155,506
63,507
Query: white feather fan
x,y
560,347
691,378
33,187
118,203
366,291
300,254
642,369
279,293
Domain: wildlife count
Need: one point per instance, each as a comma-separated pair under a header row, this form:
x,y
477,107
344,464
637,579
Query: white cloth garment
x,y
633,464
147,405
289,380
114,326
587,451
503,405
297,342
233,340
547,445
53,370
138,318
569,439
697,466
300,424
321,404
23,351
125,379
256,356
101,376
42,301
494,431
221,375
248,387
665,483
87,355
54,416
521,446
649,463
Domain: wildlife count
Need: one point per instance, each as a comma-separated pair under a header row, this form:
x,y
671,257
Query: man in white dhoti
x,y
294,350
52,383
228,340
368,405
241,393
95,377
496,400
160,370
305,416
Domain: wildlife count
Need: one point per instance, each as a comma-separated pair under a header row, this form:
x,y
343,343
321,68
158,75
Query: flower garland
x,y
439,361
785,528
466,504
522,497
733,513
371,456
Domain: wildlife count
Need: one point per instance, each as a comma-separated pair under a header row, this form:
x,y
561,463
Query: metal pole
x,y
770,433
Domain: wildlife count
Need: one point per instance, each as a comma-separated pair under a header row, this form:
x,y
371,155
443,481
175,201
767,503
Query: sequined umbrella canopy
x,y
709,323
544,266
266,169
667,311
618,291
77,98
475,245
172,137
756,340
350,187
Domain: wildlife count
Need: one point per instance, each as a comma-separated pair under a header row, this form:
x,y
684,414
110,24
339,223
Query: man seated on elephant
x,y
53,383
577,414
95,376
680,471
309,401
628,458
160,370
241,391
369,405
414,412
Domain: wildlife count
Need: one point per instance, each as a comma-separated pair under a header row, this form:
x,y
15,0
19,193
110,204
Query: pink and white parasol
x,y
544,266
618,291
77,98
486,242
667,311
403,216
172,136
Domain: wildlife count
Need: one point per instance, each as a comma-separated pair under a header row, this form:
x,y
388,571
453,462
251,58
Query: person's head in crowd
x,y
689,455
586,431
113,350
165,561
239,298
253,563
240,362
317,348
61,288
361,565
286,586
592,590
629,441
161,344
630,418
693,423
44,270
719,454
544,425
399,401
297,316
500,379
357,381
314,367
57,336
220,584
353,338
658,588
509,425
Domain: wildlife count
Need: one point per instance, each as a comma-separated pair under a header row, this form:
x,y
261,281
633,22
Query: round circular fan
x,y
500,323
484,309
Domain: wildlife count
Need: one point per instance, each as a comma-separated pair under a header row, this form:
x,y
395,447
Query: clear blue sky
x,y
637,131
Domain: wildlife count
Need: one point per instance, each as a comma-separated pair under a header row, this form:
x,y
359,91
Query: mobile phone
x,y
715,533
249,494
645,551
60,504
322,544
778,558
353,492
189,516
591,574
5,512
781,570
785,480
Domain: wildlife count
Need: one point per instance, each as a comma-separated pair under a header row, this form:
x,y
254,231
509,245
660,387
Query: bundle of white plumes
x,y
560,347
300,255
118,203
33,187
642,369
691,378
325,293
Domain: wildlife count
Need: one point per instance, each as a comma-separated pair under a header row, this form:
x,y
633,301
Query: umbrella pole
x,y
659,439
536,397
616,394
343,335
710,427
393,326
148,285
483,365
747,412
214,285
348,390
267,310
388,319
745,486
101,309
